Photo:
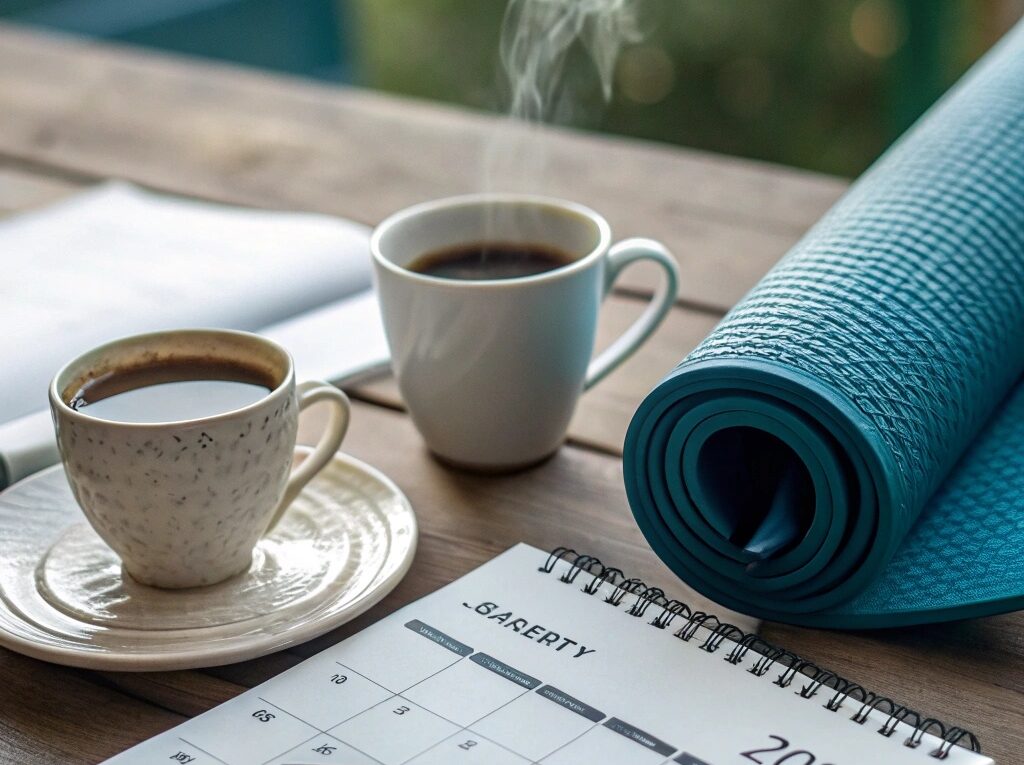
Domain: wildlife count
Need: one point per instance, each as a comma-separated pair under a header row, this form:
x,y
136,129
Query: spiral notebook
x,y
556,659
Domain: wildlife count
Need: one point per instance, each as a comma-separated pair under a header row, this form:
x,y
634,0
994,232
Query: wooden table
x,y
74,113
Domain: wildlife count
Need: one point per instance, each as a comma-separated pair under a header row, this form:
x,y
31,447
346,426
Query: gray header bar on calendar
x,y
443,640
503,669
572,704
641,737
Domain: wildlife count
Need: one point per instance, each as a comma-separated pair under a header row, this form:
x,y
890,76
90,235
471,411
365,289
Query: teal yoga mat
x,y
846,448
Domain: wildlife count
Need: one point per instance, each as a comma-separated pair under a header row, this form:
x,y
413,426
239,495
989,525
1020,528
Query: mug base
x,y
183,581
478,468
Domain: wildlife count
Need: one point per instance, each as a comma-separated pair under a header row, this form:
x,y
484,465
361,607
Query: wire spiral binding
x,y
668,612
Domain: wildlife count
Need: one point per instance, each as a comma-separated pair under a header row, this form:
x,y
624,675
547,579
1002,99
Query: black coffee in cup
x,y
171,391
490,260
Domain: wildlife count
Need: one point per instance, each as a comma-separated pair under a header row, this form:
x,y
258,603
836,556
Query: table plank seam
x,y
97,678
684,303
49,169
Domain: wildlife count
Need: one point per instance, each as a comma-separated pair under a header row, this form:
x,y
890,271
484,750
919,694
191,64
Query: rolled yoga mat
x,y
846,448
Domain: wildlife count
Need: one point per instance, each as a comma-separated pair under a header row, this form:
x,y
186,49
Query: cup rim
x,y
58,404
475,199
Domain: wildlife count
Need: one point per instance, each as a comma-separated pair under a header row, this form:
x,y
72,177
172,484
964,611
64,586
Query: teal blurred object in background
x,y
821,85
304,37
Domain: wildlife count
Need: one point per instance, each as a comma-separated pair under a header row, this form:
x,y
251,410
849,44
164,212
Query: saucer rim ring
x,y
106,660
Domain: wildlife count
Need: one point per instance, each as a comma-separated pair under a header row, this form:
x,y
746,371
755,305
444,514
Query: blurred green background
x,y
814,84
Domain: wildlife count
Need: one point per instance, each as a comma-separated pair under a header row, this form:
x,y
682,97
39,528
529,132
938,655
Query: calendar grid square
x,y
432,674
199,748
464,693
294,717
493,711
323,693
570,741
553,717
374,731
456,734
368,679
295,746
320,737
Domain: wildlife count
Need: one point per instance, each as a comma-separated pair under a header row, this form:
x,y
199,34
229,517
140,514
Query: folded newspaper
x,y
117,260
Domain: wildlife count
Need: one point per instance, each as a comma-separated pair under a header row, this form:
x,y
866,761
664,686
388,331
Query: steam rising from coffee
x,y
536,38
553,53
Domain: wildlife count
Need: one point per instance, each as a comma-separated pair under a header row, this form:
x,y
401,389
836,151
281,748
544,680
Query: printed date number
x,y
780,754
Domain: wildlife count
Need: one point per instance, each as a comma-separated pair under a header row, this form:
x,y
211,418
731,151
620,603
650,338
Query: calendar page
x,y
512,665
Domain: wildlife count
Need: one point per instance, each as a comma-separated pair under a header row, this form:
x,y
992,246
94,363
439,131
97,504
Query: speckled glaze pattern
x,y
183,504
344,543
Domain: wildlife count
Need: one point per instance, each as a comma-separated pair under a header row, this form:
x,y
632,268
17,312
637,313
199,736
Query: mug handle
x,y
619,256
310,392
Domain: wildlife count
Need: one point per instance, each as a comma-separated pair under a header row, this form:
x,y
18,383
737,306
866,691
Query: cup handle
x,y
619,256
311,392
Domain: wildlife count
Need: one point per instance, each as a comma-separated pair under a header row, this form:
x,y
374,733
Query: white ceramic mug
x,y
184,503
491,370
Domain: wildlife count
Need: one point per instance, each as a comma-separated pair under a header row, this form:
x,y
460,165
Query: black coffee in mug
x,y
490,260
171,391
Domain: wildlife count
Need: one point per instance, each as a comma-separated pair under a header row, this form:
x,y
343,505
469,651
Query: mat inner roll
x,y
744,467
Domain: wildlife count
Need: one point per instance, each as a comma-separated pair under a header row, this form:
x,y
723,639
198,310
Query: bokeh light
x,y
645,74
877,28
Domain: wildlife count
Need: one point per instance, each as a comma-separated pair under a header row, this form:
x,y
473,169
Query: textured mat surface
x,y
847,447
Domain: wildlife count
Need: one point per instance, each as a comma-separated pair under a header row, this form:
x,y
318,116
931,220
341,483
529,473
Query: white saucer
x,y
343,545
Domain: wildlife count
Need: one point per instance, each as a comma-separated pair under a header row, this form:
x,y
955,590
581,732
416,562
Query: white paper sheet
x,y
511,665
27,444
117,260
342,342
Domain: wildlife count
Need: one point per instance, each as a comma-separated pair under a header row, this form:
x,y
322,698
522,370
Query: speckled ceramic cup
x,y
184,503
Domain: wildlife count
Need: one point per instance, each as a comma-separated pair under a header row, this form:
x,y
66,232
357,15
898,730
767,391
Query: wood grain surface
x,y
74,113
249,138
